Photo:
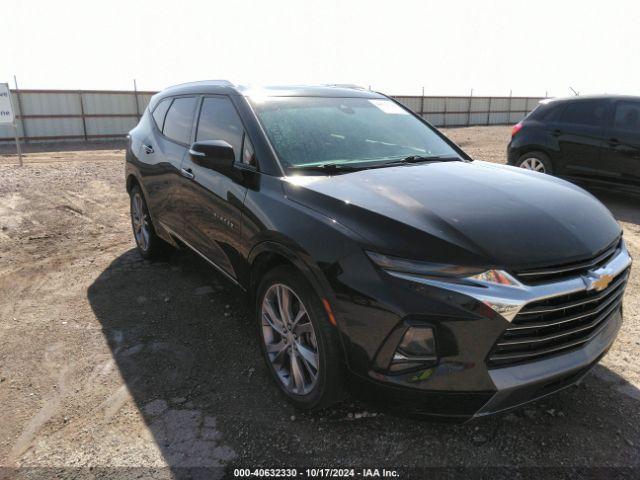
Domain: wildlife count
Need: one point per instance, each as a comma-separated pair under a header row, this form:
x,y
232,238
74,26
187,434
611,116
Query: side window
x,y
161,111
544,112
627,117
536,113
248,154
177,124
584,112
220,121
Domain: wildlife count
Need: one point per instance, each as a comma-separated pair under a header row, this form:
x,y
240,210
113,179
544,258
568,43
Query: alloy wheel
x,y
140,221
290,339
533,163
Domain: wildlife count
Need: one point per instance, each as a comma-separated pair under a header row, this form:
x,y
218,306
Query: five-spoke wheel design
x,y
533,163
290,339
140,221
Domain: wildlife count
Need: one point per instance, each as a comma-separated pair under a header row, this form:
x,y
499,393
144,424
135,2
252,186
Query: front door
x,y
213,201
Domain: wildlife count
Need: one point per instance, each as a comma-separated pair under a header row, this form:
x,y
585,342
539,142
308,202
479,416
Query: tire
x,y
149,244
537,161
278,350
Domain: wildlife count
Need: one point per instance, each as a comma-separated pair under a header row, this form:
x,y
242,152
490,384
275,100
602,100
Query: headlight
x,y
443,272
497,289
496,277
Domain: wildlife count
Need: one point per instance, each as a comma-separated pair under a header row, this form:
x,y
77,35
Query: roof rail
x,y
344,85
222,83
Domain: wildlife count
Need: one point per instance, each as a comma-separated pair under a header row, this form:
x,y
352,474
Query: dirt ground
x,y
111,366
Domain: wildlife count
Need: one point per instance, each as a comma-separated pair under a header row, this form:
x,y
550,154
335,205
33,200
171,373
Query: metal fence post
x,y
510,105
24,127
444,113
18,148
135,96
15,130
84,121
469,109
422,104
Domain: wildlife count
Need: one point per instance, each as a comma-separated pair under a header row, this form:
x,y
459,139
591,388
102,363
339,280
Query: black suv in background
x,y
375,249
591,139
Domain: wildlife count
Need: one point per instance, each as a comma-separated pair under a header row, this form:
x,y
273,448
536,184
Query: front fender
x,y
300,259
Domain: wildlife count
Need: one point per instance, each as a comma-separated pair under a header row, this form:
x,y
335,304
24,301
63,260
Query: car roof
x,y
579,98
227,88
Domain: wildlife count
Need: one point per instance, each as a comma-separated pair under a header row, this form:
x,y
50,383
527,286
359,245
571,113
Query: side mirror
x,y
214,154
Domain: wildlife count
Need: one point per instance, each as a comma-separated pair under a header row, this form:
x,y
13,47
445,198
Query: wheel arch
x,y
132,181
534,149
534,137
270,254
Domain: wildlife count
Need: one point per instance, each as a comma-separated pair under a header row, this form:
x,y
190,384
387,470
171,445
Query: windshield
x,y
308,131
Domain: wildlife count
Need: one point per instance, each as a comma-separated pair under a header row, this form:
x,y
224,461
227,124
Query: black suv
x,y
594,140
375,250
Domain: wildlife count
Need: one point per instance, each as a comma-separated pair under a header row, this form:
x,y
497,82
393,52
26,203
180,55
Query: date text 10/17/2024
x,y
315,473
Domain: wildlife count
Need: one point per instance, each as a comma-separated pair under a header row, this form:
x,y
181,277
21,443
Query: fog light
x,y
417,349
418,342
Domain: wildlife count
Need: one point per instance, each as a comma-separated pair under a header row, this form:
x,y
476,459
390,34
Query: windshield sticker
x,y
389,107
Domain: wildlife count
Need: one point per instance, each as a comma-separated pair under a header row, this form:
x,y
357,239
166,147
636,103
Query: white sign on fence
x,y
7,116
6,108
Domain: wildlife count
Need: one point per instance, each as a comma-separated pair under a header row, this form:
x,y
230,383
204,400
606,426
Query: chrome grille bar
x,y
577,303
547,351
564,333
550,325
573,318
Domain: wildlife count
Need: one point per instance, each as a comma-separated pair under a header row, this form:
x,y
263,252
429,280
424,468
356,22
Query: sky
x,y
398,47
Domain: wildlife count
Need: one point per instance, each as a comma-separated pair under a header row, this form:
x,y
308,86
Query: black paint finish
x,y
465,213
601,152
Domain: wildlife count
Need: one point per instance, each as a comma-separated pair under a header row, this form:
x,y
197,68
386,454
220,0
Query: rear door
x,y
580,134
171,145
161,154
213,201
621,158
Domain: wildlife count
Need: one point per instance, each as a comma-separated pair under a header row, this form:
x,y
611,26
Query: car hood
x,y
465,213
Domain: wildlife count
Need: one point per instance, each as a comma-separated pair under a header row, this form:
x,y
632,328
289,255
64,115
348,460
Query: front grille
x,y
555,325
560,272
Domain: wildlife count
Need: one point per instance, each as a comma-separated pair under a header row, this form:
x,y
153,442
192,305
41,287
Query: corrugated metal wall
x,y
50,115
465,111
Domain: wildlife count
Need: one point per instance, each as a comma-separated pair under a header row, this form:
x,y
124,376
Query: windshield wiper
x,y
343,167
421,158
327,168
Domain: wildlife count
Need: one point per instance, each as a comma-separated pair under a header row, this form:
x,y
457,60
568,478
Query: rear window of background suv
x,y
543,112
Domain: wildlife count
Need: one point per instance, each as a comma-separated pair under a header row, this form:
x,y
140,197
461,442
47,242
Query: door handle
x,y
614,142
148,149
187,173
557,132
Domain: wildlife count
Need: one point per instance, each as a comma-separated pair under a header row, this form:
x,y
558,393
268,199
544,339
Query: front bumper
x,y
513,154
467,324
514,386
524,383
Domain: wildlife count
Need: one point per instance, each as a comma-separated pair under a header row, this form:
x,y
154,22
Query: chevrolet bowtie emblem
x,y
599,282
